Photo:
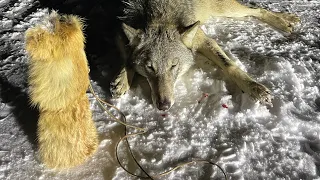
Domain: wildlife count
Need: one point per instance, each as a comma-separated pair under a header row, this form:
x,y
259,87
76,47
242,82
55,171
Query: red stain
x,y
164,115
204,95
224,106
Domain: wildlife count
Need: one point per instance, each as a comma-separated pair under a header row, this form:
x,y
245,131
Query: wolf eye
x,y
174,64
150,67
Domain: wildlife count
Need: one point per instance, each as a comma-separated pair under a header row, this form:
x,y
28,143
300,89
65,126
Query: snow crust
x,y
249,140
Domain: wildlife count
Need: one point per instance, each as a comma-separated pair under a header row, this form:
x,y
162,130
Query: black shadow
x,y
25,115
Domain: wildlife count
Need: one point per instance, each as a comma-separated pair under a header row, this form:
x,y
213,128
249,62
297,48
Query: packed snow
x,y
210,119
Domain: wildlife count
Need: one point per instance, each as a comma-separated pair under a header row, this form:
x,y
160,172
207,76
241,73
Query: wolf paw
x,y
288,21
120,85
260,93
282,21
290,18
282,24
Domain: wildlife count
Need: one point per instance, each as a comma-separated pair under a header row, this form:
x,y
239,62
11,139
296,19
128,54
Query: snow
x,y
248,140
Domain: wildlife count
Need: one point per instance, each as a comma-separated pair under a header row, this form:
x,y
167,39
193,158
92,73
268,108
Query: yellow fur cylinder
x,y
58,79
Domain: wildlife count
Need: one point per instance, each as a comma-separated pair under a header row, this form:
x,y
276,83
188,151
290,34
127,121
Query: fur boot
x,y
58,79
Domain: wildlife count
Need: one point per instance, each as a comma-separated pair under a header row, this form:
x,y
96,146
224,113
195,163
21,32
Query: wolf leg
x,y
121,84
58,79
210,49
233,9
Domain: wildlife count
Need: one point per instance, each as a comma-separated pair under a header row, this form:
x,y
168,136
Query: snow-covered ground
x,y
249,140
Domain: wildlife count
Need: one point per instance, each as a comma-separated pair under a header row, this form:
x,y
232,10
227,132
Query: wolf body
x,y
164,39
58,79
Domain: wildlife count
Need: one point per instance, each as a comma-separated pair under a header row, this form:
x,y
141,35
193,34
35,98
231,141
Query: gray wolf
x,y
58,79
165,38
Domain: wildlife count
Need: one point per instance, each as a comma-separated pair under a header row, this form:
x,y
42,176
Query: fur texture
x,y
165,39
58,79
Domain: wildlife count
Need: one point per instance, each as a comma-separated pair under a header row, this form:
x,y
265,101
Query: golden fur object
x,y
58,79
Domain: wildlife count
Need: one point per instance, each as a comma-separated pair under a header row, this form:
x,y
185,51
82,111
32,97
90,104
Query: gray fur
x,y
142,13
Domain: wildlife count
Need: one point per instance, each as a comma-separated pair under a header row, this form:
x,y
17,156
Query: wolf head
x,y
160,54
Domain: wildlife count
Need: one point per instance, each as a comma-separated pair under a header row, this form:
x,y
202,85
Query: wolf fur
x,y
58,79
164,39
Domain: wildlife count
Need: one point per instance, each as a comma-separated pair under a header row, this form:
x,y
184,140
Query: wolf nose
x,y
164,105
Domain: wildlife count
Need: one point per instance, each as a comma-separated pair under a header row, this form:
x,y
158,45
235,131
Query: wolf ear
x,y
131,33
189,33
